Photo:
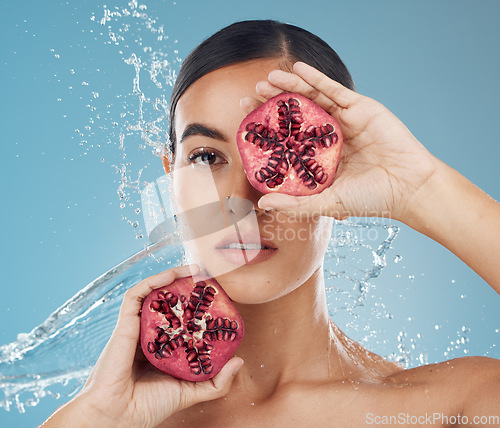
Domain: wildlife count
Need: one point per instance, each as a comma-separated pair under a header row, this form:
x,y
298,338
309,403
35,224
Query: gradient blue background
x,y
434,64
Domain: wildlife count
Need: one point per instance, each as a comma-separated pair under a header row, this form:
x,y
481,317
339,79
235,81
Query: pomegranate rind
x,y
183,343
281,150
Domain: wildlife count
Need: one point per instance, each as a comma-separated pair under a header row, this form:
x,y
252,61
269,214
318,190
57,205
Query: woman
x,y
294,366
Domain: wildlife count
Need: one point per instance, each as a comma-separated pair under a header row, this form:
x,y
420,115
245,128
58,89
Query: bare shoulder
x,y
464,371
467,385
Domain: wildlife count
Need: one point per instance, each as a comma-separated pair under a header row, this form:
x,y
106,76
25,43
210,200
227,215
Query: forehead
x,y
214,98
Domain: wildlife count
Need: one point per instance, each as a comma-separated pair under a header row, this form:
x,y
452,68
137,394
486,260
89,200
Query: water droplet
x,y
436,327
262,366
397,258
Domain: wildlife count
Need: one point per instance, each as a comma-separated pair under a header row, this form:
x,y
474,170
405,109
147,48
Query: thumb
x,y
326,203
216,387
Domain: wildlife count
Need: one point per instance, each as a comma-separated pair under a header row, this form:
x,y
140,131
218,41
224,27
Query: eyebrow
x,y
204,131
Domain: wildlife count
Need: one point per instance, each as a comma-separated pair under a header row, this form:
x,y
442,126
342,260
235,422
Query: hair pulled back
x,y
247,40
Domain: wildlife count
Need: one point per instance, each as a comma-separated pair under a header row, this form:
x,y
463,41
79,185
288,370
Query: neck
x,y
287,339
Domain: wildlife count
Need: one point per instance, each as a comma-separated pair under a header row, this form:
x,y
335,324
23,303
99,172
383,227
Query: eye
x,y
206,156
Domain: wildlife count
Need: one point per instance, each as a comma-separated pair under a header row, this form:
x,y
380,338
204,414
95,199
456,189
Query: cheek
x,y
321,233
193,188
298,234
306,243
303,244
193,204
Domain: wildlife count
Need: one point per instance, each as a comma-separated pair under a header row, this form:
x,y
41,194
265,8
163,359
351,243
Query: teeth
x,y
238,246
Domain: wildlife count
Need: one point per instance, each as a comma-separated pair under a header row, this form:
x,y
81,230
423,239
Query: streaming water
x,y
55,358
59,353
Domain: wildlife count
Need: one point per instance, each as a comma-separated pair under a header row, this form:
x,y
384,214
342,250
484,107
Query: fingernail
x,y
267,208
237,369
281,200
263,206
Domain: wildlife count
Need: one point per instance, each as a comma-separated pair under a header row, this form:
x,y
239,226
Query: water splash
x,y
135,122
61,351
359,250
56,357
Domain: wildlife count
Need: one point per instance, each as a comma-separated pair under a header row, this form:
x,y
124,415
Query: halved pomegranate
x,y
190,328
290,145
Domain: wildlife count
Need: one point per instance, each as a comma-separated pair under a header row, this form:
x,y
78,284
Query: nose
x,y
241,196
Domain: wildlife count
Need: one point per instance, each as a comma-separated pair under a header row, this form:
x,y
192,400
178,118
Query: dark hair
x,y
247,40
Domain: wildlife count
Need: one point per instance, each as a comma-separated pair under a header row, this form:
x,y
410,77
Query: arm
x,y
384,171
460,216
78,413
472,386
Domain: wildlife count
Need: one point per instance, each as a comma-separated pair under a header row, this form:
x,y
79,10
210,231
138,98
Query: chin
x,y
260,283
251,283
247,286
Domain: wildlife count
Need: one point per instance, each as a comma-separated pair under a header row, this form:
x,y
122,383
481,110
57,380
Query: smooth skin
x,y
384,171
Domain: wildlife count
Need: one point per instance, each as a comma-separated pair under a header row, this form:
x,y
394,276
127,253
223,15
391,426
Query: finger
x,y
267,90
293,83
119,352
248,104
218,386
326,203
134,297
335,91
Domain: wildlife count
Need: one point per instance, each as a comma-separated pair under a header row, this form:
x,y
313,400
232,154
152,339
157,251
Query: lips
x,y
248,238
245,248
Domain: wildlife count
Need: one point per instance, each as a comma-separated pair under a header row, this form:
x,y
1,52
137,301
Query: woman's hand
x,y
384,171
124,389
382,164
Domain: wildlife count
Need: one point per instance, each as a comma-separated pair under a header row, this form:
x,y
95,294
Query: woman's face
x,y
265,255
